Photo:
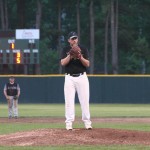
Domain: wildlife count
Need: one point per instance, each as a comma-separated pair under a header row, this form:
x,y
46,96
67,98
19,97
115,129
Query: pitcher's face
x,y
73,41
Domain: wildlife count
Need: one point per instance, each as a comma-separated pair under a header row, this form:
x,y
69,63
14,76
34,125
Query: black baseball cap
x,y
72,35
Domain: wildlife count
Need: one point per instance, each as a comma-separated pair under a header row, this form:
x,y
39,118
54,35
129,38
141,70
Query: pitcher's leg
x,y
83,94
69,92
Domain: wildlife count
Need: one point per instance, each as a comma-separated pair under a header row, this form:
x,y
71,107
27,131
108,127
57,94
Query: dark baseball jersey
x,y
75,66
11,89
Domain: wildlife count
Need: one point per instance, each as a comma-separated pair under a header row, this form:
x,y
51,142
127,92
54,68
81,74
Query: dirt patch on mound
x,y
76,137
96,136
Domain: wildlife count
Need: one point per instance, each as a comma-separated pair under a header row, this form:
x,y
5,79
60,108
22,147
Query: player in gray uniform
x,y
76,81
12,93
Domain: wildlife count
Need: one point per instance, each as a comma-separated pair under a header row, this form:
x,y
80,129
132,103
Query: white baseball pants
x,y
81,86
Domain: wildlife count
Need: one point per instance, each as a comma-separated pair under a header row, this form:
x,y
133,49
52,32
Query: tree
x,y
38,14
78,19
106,40
59,30
112,49
4,14
114,35
92,41
21,13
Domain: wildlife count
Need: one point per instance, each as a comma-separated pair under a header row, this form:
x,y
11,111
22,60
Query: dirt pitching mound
x,y
45,137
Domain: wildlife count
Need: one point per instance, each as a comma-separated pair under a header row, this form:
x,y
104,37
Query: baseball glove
x,y
75,52
15,97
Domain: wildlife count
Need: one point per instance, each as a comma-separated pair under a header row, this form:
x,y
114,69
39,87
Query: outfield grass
x,y
117,147
57,110
97,110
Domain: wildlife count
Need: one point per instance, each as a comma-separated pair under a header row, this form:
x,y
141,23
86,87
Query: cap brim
x,y
73,37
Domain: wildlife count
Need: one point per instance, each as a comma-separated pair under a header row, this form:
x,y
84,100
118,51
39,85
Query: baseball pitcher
x,y
75,60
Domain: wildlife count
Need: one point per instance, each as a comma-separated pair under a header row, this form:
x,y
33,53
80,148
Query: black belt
x,y
75,75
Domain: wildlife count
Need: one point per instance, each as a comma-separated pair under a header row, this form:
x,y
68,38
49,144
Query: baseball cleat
x,y
69,127
88,127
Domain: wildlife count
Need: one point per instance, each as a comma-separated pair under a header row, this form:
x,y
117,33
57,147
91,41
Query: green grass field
x,y
97,110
